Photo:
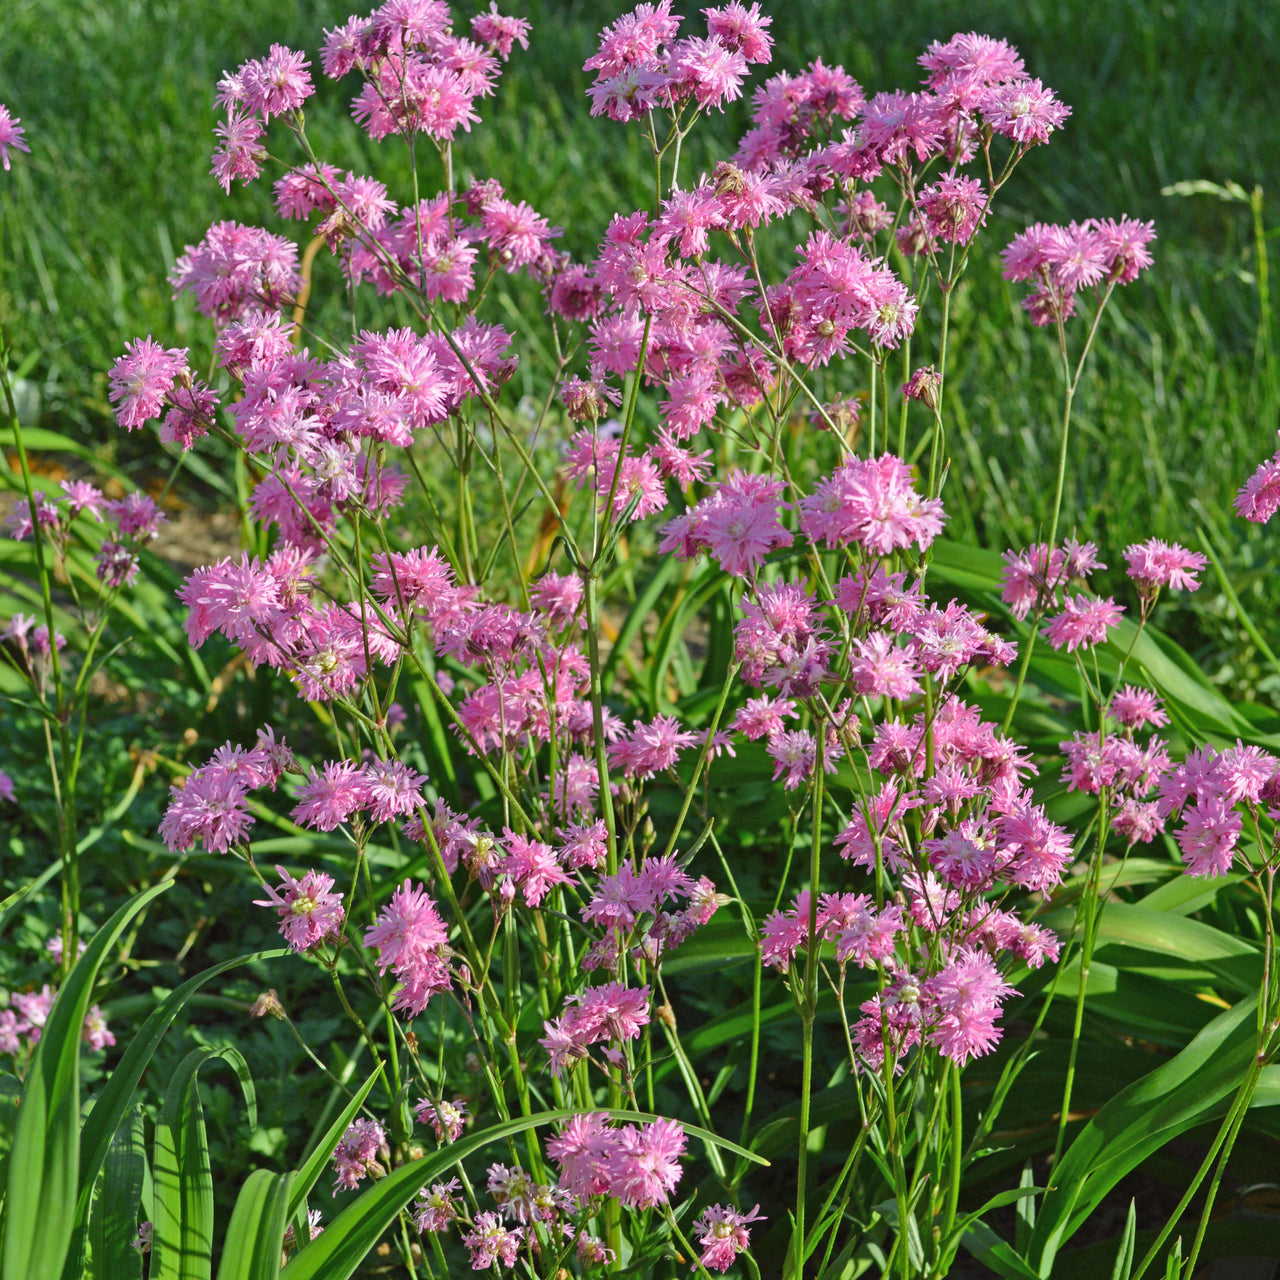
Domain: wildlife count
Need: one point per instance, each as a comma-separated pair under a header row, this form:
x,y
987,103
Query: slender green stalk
x,y
809,1003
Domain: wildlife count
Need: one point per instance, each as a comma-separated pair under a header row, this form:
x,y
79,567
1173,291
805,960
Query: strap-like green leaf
x,y
44,1165
182,1237
251,1250
113,1103
313,1166
1190,1089
114,1222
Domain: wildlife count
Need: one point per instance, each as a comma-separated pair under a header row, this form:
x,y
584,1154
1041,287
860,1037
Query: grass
x,y
117,103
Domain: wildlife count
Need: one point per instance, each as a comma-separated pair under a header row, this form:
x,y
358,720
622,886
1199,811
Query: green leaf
x,y
313,1166
117,1097
44,1165
252,1247
1124,1255
114,1224
182,1239
10,906
991,1251
1190,1089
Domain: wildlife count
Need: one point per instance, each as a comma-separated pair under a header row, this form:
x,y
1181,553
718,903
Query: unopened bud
x,y
924,385
267,1003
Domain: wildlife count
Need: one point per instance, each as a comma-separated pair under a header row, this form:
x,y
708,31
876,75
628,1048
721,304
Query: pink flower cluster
x,y
630,907
641,64
639,1165
610,1013
412,941
136,519
252,95
419,78
211,804
22,1023
1060,261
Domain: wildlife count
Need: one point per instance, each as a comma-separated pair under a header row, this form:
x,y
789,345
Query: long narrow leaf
x,y
44,1165
251,1250
1188,1090
113,1103
182,1240
312,1167
115,1211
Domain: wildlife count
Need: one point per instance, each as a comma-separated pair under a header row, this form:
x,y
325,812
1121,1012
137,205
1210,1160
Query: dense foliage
x,y
648,835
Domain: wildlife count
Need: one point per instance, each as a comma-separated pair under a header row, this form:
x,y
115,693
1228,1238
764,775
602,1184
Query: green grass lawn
x,y
117,100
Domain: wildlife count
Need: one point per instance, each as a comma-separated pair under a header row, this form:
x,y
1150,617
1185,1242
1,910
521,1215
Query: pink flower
x,y
1155,564
722,1233
499,31
310,912
447,1119
392,789
1259,496
1133,707
1083,621
711,70
1125,243
963,1003
583,1149
490,1242
12,135
872,502
240,600
210,808
94,1032
532,867
275,84
435,1208
329,797
1023,110
33,1009
408,928
141,380
1209,836
743,29
357,1154
645,1165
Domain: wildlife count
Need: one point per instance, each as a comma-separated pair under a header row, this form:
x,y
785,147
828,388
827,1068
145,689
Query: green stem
x,y
810,1001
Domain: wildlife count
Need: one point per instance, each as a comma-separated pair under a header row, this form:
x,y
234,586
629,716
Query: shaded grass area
x,y
117,102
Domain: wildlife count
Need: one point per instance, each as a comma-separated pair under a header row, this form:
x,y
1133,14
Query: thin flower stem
x,y
809,1003
1092,918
